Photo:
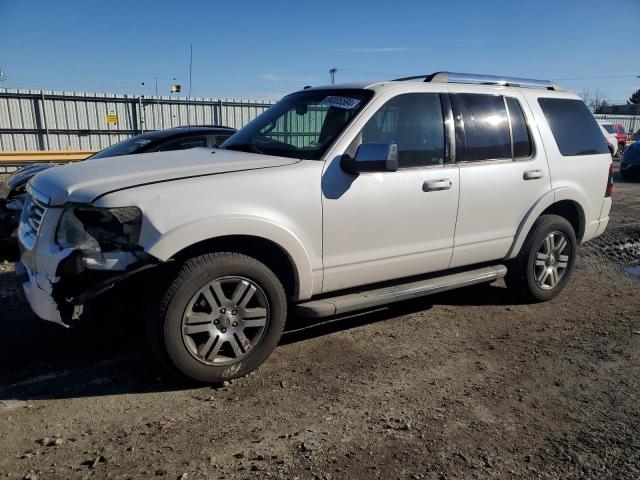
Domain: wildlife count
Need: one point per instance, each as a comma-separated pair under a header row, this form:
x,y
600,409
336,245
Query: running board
x,y
327,307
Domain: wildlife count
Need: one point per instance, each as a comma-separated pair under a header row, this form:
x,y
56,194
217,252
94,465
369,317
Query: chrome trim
x,y
479,79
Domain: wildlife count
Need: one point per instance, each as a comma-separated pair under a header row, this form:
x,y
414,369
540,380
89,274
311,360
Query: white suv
x,y
335,199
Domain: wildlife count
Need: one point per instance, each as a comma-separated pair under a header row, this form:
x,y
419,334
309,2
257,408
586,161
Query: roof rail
x,y
476,79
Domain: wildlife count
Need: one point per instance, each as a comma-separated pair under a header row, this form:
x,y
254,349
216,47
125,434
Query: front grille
x,y
35,213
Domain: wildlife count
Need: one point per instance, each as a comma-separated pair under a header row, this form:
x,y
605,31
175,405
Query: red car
x,y
621,135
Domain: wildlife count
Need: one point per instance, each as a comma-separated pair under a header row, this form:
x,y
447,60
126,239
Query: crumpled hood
x,y
84,181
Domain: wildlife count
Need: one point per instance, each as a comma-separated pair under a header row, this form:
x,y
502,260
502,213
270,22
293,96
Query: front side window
x,y
414,122
482,127
301,125
575,130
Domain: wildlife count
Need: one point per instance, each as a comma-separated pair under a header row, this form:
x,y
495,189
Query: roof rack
x,y
476,79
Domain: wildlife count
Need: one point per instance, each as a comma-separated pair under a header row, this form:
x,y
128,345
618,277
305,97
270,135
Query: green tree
x,y
634,98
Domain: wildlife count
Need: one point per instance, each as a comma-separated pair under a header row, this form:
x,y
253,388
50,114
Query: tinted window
x,y
126,147
219,140
182,144
482,129
575,130
522,146
414,122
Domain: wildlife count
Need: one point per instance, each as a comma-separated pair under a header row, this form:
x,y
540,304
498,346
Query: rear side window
x,y
482,127
522,146
575,130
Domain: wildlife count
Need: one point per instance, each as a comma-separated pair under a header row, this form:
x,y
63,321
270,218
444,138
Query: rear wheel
x,y
220,318
545,262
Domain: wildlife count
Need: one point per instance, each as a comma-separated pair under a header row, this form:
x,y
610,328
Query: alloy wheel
x,y
552,260
225,320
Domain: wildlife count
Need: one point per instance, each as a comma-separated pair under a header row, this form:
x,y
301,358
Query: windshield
x,y
131,145
302,125
609,128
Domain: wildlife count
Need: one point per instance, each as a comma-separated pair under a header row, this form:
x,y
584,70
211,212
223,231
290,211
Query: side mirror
x,y
372,157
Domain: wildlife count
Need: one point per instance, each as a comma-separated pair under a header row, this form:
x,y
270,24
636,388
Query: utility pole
x,y
190,66
333,72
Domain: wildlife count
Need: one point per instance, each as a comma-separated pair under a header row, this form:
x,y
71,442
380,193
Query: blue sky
x,y
264,49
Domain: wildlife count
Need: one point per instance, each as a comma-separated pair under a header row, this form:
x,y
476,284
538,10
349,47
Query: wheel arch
x,y
275,246
564,205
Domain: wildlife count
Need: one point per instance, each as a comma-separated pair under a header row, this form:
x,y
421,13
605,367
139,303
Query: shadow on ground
x,y
110,355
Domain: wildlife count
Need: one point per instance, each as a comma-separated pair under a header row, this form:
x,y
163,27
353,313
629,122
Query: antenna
x,y
333,72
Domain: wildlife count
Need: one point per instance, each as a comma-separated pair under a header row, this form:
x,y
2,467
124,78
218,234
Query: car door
x,y
502,173
385,225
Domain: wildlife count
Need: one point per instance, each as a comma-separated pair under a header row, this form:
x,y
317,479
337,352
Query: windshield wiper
x,y
244,147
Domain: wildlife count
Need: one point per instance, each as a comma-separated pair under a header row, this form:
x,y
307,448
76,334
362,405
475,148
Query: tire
x,y
220,317
533,263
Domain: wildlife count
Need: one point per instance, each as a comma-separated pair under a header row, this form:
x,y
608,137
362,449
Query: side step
x,y
396,293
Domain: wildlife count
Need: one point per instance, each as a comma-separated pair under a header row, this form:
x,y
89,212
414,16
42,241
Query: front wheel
x,y
220,318
545,262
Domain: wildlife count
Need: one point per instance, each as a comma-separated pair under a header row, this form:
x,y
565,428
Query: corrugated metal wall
x,y
52,120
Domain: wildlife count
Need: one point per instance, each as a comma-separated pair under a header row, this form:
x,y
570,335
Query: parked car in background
x,y
630,164
335,199
621,135
610,136
179,138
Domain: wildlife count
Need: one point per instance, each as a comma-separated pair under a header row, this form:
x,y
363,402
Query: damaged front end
x,y
72,254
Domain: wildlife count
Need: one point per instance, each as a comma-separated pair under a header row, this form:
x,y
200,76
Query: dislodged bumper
x,y
57,281
40,301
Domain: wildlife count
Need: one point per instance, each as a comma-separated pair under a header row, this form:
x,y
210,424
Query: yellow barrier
x,y
39,157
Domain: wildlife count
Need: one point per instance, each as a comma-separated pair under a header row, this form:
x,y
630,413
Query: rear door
x,y
503,172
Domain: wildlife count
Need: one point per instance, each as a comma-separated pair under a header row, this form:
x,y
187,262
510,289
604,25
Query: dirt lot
x,y
468,384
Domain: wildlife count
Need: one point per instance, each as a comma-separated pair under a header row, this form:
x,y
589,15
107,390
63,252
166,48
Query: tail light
x,y
609,190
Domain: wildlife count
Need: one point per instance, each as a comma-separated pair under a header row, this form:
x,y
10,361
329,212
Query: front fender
x,y
173,241
537,209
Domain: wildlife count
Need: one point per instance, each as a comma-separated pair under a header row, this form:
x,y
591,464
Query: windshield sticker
x,y
341,102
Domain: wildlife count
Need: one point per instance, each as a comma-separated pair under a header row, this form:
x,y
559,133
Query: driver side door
x,y
387,225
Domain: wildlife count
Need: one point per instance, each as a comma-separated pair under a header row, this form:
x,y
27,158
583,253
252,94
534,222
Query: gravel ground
x,y
468,384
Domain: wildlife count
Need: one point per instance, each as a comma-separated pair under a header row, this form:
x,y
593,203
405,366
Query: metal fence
x,y
46,120
631,123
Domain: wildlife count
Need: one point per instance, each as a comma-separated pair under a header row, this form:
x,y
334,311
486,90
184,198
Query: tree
x,y
634,99
593,99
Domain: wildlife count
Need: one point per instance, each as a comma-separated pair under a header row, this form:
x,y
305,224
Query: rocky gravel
x,y
469,384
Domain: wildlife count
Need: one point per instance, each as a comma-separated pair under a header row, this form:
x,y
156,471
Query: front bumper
x,y
56,282
40,301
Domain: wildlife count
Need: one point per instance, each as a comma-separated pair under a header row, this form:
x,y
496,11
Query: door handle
x,y
533,174
436,185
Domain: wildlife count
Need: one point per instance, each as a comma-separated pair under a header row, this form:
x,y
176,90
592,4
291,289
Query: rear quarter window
x,y
574,129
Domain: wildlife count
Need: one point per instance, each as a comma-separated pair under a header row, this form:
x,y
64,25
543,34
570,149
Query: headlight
x,y
94,229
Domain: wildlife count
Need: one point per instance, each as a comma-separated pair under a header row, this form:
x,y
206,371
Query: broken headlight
x,y
92,229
